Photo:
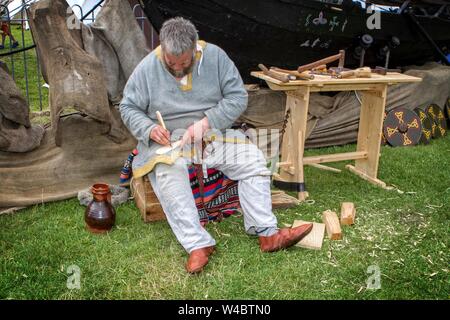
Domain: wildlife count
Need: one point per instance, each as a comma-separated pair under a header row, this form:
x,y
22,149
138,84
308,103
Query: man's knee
x,y
242,162
253,157
172,181
243,153
171,171
168,174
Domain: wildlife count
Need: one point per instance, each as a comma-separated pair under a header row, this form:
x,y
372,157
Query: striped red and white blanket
x,y
216,196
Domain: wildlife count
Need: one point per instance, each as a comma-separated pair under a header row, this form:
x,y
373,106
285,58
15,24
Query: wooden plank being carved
x,y
314,239
348,213
331,221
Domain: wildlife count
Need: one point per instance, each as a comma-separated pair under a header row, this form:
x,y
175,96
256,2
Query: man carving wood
x,y
198,89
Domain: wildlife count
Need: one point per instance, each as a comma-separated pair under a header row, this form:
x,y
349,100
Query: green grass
x,y
17,62
404,232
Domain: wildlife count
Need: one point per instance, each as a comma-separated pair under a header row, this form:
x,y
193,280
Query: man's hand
x,y
160,135
195,132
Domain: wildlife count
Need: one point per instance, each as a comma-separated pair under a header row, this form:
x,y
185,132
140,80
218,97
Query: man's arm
x,y
134,108
235,97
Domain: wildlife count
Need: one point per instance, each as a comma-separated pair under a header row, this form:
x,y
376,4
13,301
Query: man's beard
x,y
182,73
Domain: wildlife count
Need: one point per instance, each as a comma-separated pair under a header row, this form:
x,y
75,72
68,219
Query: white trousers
x,y
242,162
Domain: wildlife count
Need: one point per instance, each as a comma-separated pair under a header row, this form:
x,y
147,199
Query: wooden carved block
x,y
348,213
331,221
314,239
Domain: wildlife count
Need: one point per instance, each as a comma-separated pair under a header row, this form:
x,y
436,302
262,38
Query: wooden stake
x,y
331,221
348,213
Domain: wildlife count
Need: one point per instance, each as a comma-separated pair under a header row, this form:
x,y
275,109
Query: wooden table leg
x,y
369,134
291,167
300,178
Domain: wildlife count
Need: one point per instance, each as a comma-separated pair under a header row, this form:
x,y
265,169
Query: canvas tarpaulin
x,y
48,173
17,134
86,66
86,69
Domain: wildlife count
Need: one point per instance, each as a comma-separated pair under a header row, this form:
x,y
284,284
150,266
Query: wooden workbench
x,y
367,151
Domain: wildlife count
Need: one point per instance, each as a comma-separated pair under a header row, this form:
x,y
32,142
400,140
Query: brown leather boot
x,y
284,238
198,259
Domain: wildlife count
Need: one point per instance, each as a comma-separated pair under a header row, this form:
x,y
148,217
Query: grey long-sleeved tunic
x,y
213,89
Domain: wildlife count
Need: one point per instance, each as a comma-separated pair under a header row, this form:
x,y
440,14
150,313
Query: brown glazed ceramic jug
x,y
100,215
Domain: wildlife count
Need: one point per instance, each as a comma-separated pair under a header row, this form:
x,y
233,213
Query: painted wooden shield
x,y
426,125
439,123
402,127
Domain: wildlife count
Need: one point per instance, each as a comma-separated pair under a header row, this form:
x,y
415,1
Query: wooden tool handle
x,y
341,59
301,76
364,72
283,74
359,73
160,119
321,67
346,74
283,78
384,71
319,62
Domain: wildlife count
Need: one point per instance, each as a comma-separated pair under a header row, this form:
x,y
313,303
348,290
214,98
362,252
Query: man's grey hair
x,y
177,36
